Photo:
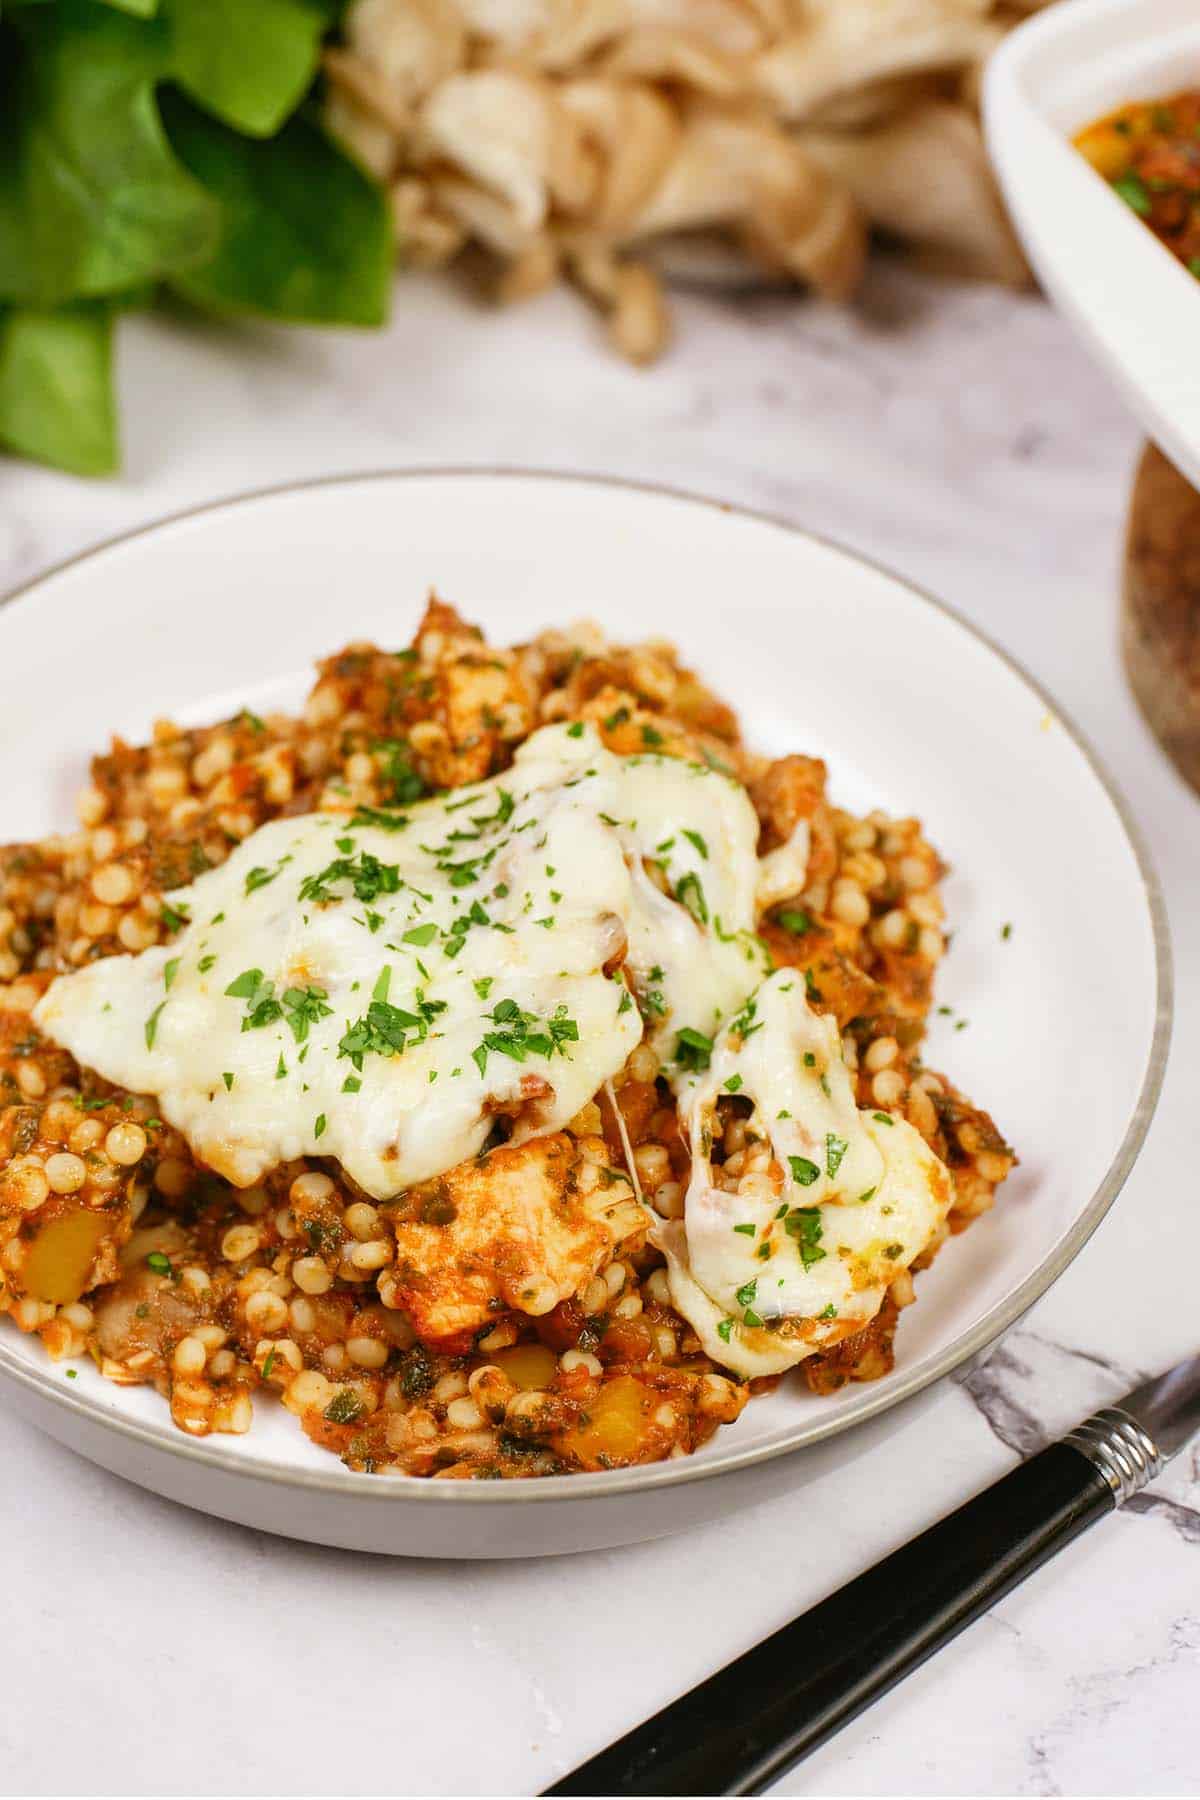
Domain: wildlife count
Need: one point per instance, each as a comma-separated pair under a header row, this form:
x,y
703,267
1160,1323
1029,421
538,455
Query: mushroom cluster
x,y
605,140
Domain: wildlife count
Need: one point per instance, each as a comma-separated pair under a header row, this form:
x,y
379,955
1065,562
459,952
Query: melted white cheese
x,y
394,989
784,870
856,1195
376,988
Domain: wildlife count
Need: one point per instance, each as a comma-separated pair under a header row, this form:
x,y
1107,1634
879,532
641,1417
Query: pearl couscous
x,y
521,1313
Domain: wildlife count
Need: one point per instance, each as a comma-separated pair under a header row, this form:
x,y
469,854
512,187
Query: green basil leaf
x,y
56,398
305,234
250,62
92,200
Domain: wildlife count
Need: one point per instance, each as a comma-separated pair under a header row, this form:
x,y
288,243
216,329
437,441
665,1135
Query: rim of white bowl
x,y
648,1477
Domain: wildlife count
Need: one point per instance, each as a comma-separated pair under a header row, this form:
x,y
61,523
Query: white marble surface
x,y
960,436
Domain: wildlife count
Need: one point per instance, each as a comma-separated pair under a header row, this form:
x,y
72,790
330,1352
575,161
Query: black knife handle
x,y
738,1731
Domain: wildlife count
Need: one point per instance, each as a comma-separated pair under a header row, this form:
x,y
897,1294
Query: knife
x,y
743,1727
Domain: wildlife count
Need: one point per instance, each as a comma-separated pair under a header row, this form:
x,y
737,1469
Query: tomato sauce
x,y
1149,153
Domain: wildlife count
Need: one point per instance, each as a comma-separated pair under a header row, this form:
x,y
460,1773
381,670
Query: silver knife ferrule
x,y
1124,1453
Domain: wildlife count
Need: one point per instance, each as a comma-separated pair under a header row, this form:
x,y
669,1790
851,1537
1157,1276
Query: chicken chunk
x,y
446,712
519,1229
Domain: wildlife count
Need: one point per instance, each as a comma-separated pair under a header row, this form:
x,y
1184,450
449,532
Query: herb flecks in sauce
x,y
1149,153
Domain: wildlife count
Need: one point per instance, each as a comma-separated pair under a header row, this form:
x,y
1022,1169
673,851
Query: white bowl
x,y
1134,303
913,711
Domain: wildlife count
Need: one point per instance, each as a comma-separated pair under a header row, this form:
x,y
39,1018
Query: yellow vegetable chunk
x,y
59,1262
616,1427
528,1365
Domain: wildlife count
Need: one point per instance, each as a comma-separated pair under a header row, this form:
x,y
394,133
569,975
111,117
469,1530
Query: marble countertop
x,y
961,436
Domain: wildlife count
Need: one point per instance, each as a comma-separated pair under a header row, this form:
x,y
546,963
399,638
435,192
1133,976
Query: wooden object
x,y
1160,625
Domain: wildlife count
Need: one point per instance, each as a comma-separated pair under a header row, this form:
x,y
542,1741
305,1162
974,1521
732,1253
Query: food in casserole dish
x,y
1149,153
500,1062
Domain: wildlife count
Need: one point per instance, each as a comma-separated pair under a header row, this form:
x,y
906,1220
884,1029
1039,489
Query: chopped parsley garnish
x,y
882,1118
269,1363
692,1049
1006,930
205,964
690,893
746,1294
152,1025
795,920
173,917
693,837
1132,190
652,738
803,1224
251,987
345,1408
170,971
724,1330
420,935
744,1025
384,1030
158,1262
714,762
804,1172
367,876
381,820
403,780
297,1007
319,1125
835,1149
456,936
227,1078
869,1195
483,986
351,1084
575,730
261,877
733,1085
505,808
745,1230
520,1034
830,1312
